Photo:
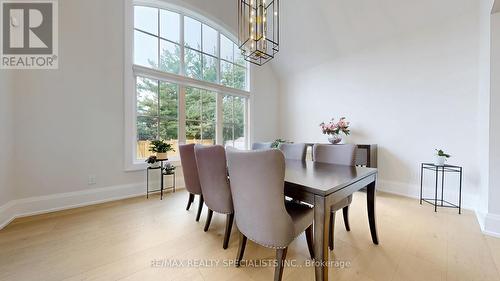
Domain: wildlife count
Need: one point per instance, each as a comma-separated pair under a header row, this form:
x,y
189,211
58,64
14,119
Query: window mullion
x,y
182,115
201,52
219,120
158,114
201,114
182,48
218,58
232,119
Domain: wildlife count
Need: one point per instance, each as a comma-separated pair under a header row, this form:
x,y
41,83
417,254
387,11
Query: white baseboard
x,y
490,223
62,201
413,191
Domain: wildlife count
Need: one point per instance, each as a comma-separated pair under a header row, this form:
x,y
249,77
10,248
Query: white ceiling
x,y
318,30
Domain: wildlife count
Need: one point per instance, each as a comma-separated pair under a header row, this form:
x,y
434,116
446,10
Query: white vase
x,y
335,139
440,160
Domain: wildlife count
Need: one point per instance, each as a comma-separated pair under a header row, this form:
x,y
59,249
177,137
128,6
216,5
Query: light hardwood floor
x,y
120,240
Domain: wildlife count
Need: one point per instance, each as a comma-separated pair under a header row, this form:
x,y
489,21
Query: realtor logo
x,y
29,34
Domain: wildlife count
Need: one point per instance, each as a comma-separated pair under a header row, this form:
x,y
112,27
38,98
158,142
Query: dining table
x,y
322,185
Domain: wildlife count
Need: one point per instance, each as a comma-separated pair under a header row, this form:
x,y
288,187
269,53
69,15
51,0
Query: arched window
x,y
191,81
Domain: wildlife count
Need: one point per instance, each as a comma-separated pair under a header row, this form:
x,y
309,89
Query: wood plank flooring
x,y
133,239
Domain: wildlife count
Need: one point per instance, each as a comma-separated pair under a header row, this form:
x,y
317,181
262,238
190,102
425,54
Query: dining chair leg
x,y
309,239
190,200
345,211
229,226
280,258
241,249
209,219
200,207
332,230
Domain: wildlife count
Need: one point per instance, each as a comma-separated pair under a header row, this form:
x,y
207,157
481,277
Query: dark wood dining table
x,y
323,185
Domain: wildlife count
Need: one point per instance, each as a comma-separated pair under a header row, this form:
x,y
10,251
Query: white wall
x,y
69,122
493,219
6,137
484,102
410,93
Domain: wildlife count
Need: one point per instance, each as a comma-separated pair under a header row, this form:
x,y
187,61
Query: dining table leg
x,y
321,234
370,202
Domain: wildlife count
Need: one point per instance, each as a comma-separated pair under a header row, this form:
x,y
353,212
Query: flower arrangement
x,y
335,129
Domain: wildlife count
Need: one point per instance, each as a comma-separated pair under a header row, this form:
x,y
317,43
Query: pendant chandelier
x,y
258,35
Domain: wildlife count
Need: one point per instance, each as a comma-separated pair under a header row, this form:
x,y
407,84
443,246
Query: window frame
x,y
132,71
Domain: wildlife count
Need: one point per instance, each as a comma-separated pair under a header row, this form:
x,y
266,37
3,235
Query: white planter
x,y
440,160
155,165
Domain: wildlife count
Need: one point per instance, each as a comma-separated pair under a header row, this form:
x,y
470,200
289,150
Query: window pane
x,y
226,48
193,131
208,101
147,130
145,49
226,73
146,19
239,76
239,117
208,133
227,109
233,111
147,97
193,64
238,57
227,133
209,69
209,40
168,101
169,25
169,57
168,131
193,104
192,33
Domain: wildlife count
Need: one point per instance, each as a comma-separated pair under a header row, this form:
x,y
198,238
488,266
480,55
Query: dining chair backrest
x,y
212,170
189,168
261,145
257,188
294,151
340,154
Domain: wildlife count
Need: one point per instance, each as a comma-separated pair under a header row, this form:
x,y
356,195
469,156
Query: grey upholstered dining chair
x,y
341,154
191,178
212,169
294,151
261,145
257,188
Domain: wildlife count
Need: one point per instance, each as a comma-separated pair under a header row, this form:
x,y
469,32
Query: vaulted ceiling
x,y
315,31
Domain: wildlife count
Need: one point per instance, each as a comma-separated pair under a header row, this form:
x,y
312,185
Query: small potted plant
x,y
335,130
161,148
277,142
441,157
169,168
152,162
